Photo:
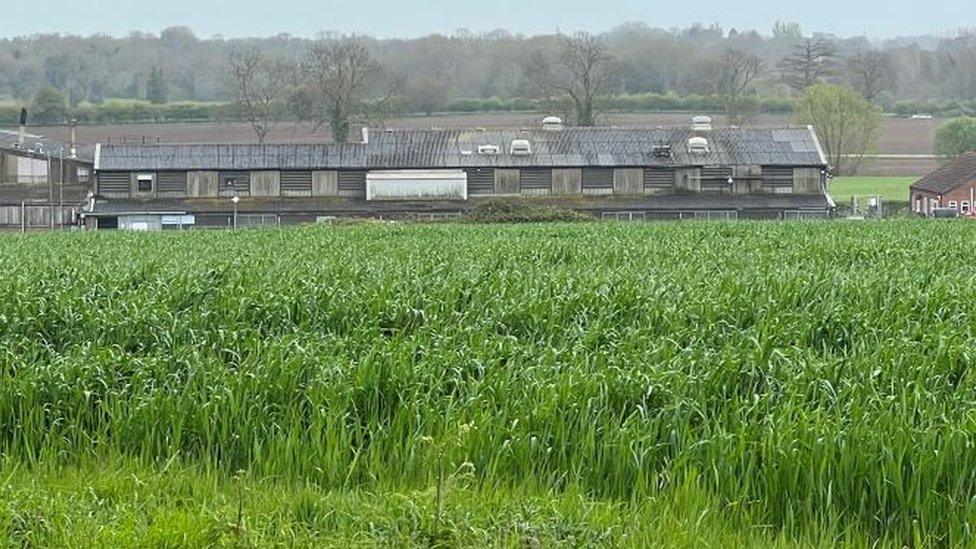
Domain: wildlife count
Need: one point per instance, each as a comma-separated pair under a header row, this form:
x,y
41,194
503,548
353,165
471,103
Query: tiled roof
x,y
960,171
571,147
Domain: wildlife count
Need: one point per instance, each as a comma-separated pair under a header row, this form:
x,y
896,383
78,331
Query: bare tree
x,y
582,72
738,72
809,63
341,72
872,72
262,84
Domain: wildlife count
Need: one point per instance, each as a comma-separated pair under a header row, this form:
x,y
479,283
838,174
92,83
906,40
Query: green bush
x,y
521,210
956,137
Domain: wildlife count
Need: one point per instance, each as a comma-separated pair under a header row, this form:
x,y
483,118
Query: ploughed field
x,y
589,384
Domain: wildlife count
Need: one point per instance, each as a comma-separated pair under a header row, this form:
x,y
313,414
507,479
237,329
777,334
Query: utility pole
x,y
61,186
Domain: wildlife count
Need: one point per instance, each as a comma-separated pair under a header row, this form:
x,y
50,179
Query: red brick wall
x,y
963,193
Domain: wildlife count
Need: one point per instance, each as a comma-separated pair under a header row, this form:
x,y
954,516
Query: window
x,y
965,207
144,182
952,204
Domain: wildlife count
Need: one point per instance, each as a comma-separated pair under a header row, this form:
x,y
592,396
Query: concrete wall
x,y
325,183
266,183
567,181
8,168
507,181
202,184
628,181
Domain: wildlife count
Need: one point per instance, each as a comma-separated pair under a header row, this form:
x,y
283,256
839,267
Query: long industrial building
x,y
618,173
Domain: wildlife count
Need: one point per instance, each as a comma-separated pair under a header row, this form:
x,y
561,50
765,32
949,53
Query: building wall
x,y
567,181
202,184
807,181
962,199
325,183
750,179
507,181
628,181
266,183
20,168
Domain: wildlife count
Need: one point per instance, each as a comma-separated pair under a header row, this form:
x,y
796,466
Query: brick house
x,y
952,186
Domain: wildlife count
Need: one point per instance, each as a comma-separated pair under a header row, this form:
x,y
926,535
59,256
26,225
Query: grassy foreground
x,y
692,384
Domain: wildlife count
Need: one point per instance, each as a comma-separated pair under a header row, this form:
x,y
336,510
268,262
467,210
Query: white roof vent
x,y
698,145
521,147
701,123
490,150
552,123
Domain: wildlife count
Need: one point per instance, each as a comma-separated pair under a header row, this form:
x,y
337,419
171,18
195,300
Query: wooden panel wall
x,y
628,181
567,181
266,183
202,184
325,183
806,180
507,181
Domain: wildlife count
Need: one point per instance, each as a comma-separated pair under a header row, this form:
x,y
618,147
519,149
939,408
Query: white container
x,y
417,185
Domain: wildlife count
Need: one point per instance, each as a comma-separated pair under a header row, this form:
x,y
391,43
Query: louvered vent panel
x,y
597,178
114,183
536,178
171,182
481,180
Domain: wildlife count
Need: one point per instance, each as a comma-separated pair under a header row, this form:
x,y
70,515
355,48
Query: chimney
x,y
365,135
23,127
72,141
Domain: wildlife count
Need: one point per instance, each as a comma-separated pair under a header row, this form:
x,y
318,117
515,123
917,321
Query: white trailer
x,y
417,185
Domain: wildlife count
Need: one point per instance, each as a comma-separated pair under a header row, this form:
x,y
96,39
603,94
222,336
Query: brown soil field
x,y
899,135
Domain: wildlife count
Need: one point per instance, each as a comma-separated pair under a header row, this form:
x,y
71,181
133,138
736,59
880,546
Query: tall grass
x,y
812,376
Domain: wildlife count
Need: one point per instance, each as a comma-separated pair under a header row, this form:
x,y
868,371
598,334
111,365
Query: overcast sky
x,y
409,18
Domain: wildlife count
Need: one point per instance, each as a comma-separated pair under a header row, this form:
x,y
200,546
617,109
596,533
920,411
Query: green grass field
x,y
591,384
891,189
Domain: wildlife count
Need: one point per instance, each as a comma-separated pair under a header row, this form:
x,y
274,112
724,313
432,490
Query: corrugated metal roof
x,y
571,147
8,140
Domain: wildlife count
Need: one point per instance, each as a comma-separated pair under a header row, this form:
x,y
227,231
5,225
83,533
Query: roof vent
x,y
701,123
490,150
552,123
661,151
521,147
697,145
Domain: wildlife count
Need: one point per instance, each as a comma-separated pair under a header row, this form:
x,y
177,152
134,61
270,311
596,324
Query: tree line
x,y
434,71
